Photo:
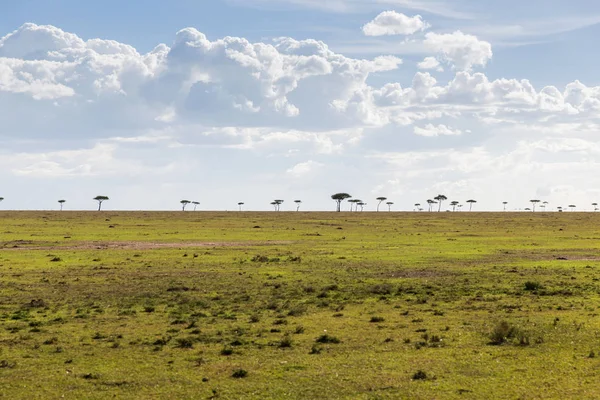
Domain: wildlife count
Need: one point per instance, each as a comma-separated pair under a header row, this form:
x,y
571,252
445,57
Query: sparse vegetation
x,y
459,297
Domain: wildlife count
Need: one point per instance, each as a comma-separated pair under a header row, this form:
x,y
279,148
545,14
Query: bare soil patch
x,y
131,245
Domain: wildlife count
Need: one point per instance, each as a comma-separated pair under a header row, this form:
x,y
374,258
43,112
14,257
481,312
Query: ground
x,y
299,305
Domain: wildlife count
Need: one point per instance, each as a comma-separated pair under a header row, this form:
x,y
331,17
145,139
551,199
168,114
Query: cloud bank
x,y
287,116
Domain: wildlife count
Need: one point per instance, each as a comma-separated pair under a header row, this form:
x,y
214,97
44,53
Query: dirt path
x,y
129,245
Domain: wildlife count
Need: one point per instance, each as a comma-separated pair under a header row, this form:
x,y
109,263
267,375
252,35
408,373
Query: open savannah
x,y
298,305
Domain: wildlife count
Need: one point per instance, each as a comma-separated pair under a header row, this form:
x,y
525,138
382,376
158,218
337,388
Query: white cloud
x,y
436,130
96,111
304,168
460,50
430,63
394,23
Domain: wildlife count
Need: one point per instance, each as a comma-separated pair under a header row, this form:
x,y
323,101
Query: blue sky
x,y
402,98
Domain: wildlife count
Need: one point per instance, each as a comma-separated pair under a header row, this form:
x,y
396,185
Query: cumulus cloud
x,y
430,63
436,130
394,23
87,104
460,50
304,168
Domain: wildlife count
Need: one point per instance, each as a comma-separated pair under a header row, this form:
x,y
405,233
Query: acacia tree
x,y
505,203
274,205
184,203
440,198
1,198
559,208
339,197
195,203
534,202
355,202
390,204
100,200
595,205
277,204
430,203
61,202
454,204
240,204
572,206
471,202
418,206
381,200
362,205
544,204
298,202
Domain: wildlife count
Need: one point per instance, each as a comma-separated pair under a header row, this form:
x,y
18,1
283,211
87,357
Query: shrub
x,y
285,342
185,343
503,332
382,289
239,373
377,319
7,364
226,351
328,339
419,375
532,286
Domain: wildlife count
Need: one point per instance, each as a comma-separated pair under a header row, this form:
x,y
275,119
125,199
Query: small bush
x,y
328,339
7,364
532,286
149,309
286,342
377,319
226,351
315,349
503,332
382,289
254,318
419,375
299,330
239,373
185,343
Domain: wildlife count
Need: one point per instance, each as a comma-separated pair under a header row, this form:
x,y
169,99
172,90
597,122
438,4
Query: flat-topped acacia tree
x,y
298,202
184,203
454,204
240,204
61,202
505,203
471,202
534,202
277,204
195,203
339,197
381,200
100,200
440,198
390,204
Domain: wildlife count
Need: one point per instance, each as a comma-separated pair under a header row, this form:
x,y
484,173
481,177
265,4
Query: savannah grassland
x,y
242,305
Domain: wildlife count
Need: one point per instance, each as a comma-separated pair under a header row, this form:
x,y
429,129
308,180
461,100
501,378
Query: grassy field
x,y
201,305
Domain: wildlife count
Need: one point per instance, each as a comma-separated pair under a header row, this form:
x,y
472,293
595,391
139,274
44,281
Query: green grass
x,y
299,305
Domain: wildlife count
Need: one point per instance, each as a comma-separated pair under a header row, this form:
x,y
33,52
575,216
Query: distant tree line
x,y
355,203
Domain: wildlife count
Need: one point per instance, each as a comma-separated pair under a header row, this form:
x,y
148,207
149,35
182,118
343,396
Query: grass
x,y
309,305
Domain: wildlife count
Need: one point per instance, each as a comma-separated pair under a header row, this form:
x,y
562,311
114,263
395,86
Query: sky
x,y
226,101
